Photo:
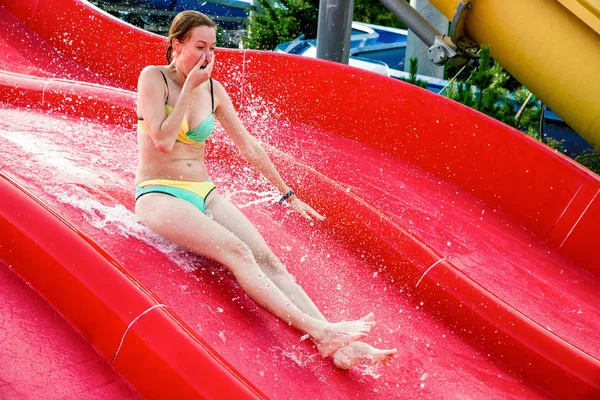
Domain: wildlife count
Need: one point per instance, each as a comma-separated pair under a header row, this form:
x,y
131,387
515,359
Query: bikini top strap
x,y
212,95
166,83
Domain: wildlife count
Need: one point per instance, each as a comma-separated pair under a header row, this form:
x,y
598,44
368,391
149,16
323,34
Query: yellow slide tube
x,y
551,46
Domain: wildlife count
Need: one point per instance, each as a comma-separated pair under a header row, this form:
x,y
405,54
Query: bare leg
x,y
231,218
183,224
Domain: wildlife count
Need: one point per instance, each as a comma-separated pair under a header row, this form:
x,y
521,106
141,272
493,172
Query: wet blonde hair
x,y
182,24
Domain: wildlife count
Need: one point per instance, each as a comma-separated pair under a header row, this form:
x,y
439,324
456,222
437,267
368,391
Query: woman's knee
x,y
239,252
270,264
238,258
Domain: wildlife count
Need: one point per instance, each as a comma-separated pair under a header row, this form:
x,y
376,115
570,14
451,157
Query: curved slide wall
x,y
514,175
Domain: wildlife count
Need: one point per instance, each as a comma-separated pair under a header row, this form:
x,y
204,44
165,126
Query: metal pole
x,y
413,20
334,30
542,119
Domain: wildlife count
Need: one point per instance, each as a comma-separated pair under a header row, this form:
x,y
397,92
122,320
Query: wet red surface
x,y
42,357
432,361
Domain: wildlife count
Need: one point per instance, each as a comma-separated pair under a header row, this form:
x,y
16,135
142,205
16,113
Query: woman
x,y
176,198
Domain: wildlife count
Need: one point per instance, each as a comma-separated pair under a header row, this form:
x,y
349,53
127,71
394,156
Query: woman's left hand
x,y
305,210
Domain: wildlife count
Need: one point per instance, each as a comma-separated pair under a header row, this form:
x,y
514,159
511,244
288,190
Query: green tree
x,y
413,74
373,12
484,91
590,159
282,21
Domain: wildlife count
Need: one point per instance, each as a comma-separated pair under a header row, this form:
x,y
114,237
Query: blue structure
x,y
368,42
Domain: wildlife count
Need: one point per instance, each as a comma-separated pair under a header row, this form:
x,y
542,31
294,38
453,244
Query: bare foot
x,y
362,353
339,334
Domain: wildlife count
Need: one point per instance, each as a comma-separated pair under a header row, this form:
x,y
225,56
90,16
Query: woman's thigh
x,y
183,224
230,217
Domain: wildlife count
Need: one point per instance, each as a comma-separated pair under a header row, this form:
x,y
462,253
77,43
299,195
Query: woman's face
x,y
202,41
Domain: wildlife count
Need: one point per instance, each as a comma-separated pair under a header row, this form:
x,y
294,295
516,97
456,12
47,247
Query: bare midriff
x,y
183,163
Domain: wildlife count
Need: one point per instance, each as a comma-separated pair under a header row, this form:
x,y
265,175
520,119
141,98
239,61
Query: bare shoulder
x,y
150,74
221,96
219,88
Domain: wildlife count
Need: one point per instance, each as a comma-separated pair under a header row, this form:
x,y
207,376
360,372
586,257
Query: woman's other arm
x,y
252,150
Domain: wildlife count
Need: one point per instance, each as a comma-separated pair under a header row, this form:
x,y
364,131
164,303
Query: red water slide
x,y
475,246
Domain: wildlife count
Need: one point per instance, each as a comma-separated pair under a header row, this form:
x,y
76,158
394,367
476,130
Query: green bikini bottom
x,y
194,192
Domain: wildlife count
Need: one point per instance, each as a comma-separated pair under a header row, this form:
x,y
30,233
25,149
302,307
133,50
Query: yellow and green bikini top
x,y
199,134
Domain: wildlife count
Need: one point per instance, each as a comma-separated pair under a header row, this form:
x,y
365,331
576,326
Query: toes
x,y
367,325
368,317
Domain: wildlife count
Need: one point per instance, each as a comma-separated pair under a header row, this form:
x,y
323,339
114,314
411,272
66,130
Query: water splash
x,y
118,220
368,370
266,197
299,357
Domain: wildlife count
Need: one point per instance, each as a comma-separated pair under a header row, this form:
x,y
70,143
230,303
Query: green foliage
x,y
284,20
530,116
413,74
590,159
485,91
227,38
373,12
